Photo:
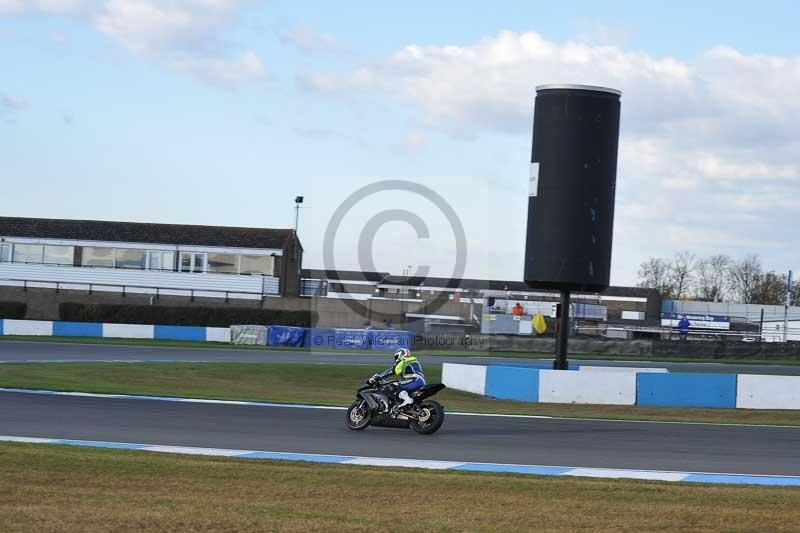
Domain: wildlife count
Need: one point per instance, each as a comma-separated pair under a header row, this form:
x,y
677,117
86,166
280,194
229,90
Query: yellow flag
x,y
539,324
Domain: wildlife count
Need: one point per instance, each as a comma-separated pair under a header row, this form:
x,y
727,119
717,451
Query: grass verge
x,y
59,488
428,353
323,385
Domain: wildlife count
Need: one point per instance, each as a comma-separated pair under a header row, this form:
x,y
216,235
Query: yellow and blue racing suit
x,y
408,371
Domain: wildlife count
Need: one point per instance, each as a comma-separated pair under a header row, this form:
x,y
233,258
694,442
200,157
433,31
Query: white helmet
x,y
401,353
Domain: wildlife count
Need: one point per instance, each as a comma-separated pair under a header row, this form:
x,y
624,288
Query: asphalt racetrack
x,y
15,351
492,439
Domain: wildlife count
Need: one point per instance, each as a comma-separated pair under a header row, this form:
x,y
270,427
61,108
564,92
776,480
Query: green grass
x,y
323,384
67,489
426,353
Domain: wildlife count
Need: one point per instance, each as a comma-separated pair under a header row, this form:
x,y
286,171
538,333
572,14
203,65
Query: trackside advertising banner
x,y
697,321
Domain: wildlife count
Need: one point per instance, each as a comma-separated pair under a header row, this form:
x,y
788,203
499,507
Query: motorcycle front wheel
x,y
358,416
431,418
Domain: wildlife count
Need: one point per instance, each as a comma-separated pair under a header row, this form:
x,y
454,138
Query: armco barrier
x,y
564,386
468,378
767,392
27,327
77,329
512,383
180,333
686,390
128,331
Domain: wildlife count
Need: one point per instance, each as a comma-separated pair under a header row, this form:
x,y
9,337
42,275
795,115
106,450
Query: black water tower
x,y
571,192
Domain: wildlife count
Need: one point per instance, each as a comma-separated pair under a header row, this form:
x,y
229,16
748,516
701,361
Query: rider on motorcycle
x,y
408,373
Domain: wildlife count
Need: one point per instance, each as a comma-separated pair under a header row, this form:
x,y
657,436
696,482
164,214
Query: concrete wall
x,y
621,369
768,392
512,383
128,331
629,386
564,386
124,331
27,327
686,390
468,378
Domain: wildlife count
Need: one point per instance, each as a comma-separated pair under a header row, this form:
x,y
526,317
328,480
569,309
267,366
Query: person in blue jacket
x,y
683,328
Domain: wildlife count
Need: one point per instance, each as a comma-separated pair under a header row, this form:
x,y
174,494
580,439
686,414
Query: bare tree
x,y
682,274
746,277
656,273
772,289
796,293
713,277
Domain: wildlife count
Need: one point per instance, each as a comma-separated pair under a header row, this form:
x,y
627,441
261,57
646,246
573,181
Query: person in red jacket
x,y
517,310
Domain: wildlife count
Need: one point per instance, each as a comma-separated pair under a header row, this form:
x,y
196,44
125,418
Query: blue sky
x,y
221,111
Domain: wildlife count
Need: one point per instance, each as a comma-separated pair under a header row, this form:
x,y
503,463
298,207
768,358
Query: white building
x,y
160,259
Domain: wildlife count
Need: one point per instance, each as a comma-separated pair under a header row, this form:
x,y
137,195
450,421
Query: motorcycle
x,y
374,405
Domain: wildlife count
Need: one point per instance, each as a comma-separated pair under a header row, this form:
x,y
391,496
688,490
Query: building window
x,y
97,257
193,262
28,253
5,253
157,260
129,258
59,255
257,264
223,263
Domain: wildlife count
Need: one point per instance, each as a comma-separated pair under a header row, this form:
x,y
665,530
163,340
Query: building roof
x,y
345,275
178,234
464,283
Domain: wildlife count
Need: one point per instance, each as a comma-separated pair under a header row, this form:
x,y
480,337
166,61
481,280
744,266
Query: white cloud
x,y
16,7
308,39
12,103
705,144
247,68
151,26
185,35
416,140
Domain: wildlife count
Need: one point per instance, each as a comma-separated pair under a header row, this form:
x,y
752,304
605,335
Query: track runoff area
x,y
520,444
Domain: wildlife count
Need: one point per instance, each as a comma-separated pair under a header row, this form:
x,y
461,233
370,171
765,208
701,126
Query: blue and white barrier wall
x,y
767,392
338,338
686,390
608,388
468,378
119,331
625,386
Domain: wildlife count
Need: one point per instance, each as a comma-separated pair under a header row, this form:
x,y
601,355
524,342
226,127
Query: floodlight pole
x,y
561,362
297,201
786,308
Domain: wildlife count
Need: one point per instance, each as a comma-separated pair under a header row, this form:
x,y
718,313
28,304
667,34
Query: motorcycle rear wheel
x,y
431,420
358,416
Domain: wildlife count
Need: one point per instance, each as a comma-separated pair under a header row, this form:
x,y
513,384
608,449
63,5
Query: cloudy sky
x,y
221,111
